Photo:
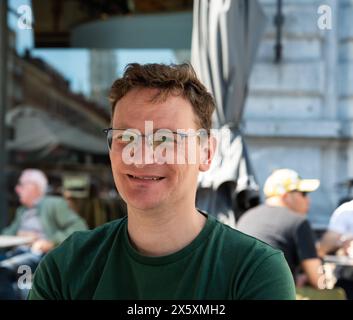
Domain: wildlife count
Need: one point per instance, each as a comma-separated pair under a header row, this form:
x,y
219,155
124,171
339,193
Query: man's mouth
x,y
146,178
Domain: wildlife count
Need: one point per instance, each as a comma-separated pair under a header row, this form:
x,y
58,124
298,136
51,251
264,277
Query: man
x,y
45,220
281,222
165,248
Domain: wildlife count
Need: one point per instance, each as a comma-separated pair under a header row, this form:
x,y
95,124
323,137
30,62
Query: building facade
x,y
103,71
299,111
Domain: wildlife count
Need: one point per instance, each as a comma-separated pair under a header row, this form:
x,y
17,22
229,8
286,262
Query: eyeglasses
x,y
117,138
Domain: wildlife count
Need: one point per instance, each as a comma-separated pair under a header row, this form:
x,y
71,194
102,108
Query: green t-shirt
x,y
220,263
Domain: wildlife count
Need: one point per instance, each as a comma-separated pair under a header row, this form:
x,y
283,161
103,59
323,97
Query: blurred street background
x,y
62,56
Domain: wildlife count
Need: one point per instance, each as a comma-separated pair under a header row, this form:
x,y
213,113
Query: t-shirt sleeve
x,y
271,280
46,282
305,241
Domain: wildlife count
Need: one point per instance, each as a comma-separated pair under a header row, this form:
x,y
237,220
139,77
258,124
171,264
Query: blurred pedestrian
x,y
282,223
338,240
339,234
45,220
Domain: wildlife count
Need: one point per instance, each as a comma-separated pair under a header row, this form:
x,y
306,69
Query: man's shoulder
x,y
256,210
264,210
238,242
261,270
253,216
52,201
293,216
342,218
255,264
88,243
278,215
344,209
73,269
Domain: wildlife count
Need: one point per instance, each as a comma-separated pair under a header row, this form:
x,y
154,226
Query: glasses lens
x,y
165,137
118,138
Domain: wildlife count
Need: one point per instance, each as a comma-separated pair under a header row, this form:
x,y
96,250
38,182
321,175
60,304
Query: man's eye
x,y
129,137
165,139
124,138
119,137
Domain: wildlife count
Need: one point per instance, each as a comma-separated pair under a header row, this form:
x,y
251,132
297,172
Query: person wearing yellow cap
x,y
281,222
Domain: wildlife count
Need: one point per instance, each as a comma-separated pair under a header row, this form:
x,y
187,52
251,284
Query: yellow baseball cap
x,y
282,181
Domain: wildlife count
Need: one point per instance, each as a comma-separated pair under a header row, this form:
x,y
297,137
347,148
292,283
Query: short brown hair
x,y
178,79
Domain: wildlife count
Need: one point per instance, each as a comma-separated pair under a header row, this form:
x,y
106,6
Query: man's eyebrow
x,y
169,129
154,129
123,126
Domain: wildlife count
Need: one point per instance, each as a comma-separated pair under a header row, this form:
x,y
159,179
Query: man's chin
x,y
145,204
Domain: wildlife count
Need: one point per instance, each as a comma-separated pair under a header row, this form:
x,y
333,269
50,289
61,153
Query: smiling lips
x,y
145,178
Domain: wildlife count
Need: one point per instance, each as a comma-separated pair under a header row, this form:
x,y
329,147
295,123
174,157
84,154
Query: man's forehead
x,y
153,124
152,97
154,129
25,178
150,125
136,109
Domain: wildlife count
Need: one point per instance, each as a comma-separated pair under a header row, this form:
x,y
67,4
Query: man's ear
x,y
207,153
286,198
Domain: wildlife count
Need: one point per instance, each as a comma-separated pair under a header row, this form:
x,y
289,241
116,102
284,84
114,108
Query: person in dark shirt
x,y
281,222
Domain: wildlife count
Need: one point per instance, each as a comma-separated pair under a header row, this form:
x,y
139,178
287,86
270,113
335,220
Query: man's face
x,y
298,201
27,191
151,185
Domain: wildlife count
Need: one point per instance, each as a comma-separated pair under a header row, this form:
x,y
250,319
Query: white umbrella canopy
x,y
225,38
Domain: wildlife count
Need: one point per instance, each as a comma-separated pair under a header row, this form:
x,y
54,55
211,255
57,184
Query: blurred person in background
x,y
339,235
338,240
44,220
282,223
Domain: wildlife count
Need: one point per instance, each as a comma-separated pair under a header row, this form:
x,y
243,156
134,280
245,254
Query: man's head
x,y
168,80
31,186
170,98
286,187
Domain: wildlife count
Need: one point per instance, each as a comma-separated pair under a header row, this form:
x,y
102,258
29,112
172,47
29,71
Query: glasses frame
x,y
182,135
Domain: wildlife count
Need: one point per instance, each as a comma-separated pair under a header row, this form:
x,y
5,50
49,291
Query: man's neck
x,y
165,231
275,202
278,202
